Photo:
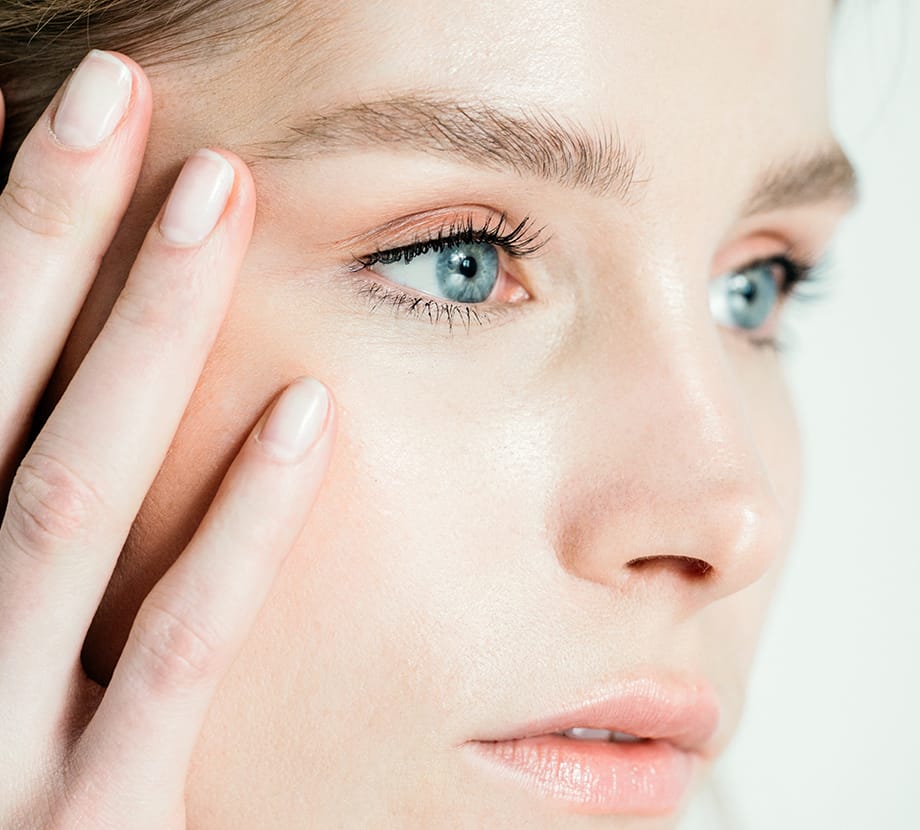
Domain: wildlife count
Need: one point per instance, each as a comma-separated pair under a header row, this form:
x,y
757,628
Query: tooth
x,y
585,734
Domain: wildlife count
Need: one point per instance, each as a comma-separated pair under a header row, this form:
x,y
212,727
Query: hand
x,y
73,754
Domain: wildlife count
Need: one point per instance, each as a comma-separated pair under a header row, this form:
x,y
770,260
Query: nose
x,y
673,494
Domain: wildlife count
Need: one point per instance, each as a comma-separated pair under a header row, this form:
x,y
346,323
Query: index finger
x,y
68,188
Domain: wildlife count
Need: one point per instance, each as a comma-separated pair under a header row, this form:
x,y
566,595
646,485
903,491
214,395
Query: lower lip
x,y
647,778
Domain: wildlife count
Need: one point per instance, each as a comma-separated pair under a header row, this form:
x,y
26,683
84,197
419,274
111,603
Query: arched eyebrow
x,y
528,141
533,143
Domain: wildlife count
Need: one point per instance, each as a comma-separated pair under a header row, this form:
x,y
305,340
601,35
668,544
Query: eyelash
x,y
798,273
803,281
521,242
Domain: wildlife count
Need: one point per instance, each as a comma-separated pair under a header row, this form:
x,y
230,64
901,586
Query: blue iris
x,y
467,273
745,299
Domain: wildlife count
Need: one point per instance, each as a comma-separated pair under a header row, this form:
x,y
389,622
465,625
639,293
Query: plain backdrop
x,y
831,735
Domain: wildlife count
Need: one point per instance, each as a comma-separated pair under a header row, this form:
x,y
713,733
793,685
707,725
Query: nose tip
x,y
727,544
708,541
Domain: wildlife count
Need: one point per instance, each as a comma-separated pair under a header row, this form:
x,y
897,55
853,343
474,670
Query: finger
x,y
196,618
58,215
82,483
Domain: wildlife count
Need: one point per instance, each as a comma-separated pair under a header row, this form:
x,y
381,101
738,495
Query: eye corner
x,y
358,264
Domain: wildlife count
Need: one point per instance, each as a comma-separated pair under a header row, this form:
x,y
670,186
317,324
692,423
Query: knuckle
x,y
36,211
49,505
178,650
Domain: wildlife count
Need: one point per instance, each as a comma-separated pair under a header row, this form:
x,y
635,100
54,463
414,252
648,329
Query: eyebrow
x,y
534,143
529,141
824,175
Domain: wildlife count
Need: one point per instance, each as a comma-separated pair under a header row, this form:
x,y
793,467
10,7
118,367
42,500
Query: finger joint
x,y
177,649
36,211
50,506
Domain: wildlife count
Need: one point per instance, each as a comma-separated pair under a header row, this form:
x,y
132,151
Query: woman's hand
x,y
71,753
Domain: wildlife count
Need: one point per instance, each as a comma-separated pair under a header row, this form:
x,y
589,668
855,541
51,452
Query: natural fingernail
x,y
198,198
296,421
94,101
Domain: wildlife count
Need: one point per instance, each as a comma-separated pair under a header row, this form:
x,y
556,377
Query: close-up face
x,y
540,254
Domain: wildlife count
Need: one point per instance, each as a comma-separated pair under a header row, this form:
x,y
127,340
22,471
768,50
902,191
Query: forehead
x,y
578,55
669,71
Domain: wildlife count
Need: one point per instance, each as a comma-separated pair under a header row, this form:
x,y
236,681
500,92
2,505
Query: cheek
x,y
375,629
429,477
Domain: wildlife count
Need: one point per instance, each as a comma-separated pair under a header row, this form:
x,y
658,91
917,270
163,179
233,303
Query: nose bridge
x,y
675,489
695,420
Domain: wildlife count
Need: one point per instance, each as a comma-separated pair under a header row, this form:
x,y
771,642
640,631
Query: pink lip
x,y
648,778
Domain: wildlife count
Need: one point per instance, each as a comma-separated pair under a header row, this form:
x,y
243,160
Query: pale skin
x,y
315,639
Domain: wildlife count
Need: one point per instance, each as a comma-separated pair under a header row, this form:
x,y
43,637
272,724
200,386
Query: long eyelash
x,y
806,281
421,307
518,242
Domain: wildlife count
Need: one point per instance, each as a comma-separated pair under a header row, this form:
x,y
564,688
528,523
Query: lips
x,y
597,772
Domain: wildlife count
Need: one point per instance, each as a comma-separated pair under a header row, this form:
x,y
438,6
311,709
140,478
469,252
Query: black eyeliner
x,y
518,242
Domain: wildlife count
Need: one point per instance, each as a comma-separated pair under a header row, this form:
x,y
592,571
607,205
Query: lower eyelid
x,y
429,309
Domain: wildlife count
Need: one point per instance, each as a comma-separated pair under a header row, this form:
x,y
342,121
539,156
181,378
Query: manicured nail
x,y
94,101
296,421
198,198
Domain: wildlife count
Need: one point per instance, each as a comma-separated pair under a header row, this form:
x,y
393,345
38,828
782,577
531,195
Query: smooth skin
x,y
88,757
504,527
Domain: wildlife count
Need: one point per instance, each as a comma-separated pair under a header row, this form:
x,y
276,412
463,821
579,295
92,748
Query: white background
x,y
831,736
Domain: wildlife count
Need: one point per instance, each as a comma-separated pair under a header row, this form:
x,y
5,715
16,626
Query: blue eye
x,y
461,273
745,299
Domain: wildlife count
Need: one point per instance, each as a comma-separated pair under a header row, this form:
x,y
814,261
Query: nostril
x,y
687,565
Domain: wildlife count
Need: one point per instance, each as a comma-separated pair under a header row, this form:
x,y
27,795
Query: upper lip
x,y
684,713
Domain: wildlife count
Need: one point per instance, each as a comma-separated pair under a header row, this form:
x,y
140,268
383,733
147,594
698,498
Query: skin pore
x,y
590,479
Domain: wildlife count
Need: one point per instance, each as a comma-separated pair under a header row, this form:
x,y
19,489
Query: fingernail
x,y
296,421
94,101
198,198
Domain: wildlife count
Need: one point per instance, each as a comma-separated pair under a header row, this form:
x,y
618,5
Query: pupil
x,y
464,265
747,288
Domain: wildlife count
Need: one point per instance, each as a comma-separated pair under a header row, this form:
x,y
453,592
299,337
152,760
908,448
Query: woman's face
x,y
585,476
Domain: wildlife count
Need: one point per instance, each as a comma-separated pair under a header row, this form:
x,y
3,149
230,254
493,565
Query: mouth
x,y
631,750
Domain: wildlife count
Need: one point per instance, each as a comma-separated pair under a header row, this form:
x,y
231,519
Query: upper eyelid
x,y
420,222
518,240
